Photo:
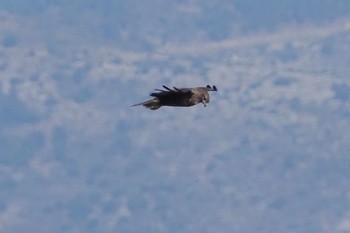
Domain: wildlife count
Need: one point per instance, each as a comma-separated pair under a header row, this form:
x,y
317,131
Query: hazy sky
x,y
270,153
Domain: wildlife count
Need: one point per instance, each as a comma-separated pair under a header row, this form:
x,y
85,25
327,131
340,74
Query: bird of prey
x,y
178,97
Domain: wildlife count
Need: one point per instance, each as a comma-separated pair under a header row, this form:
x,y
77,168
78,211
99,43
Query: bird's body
x,y
178,97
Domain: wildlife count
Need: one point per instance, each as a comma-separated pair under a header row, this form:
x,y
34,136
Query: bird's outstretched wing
x,y
173,97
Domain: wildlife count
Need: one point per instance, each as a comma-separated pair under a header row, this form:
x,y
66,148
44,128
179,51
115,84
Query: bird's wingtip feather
x,y
212,88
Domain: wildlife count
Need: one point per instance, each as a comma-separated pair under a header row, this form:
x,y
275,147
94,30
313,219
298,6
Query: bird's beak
x,y
203,102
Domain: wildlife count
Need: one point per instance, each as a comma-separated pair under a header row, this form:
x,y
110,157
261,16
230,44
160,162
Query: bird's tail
x,y
152,104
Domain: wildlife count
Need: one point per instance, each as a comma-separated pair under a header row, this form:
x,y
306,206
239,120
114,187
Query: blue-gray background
x,y
270,153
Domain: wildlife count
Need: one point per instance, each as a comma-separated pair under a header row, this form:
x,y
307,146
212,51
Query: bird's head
x,y
205,98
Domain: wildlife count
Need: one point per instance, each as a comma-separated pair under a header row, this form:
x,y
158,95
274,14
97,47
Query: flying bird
x,y
178,97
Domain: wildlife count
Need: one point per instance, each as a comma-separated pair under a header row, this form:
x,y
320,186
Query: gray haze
x,y
270,153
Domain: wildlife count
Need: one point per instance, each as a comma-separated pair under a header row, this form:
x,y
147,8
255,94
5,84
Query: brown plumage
x,y
178,97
